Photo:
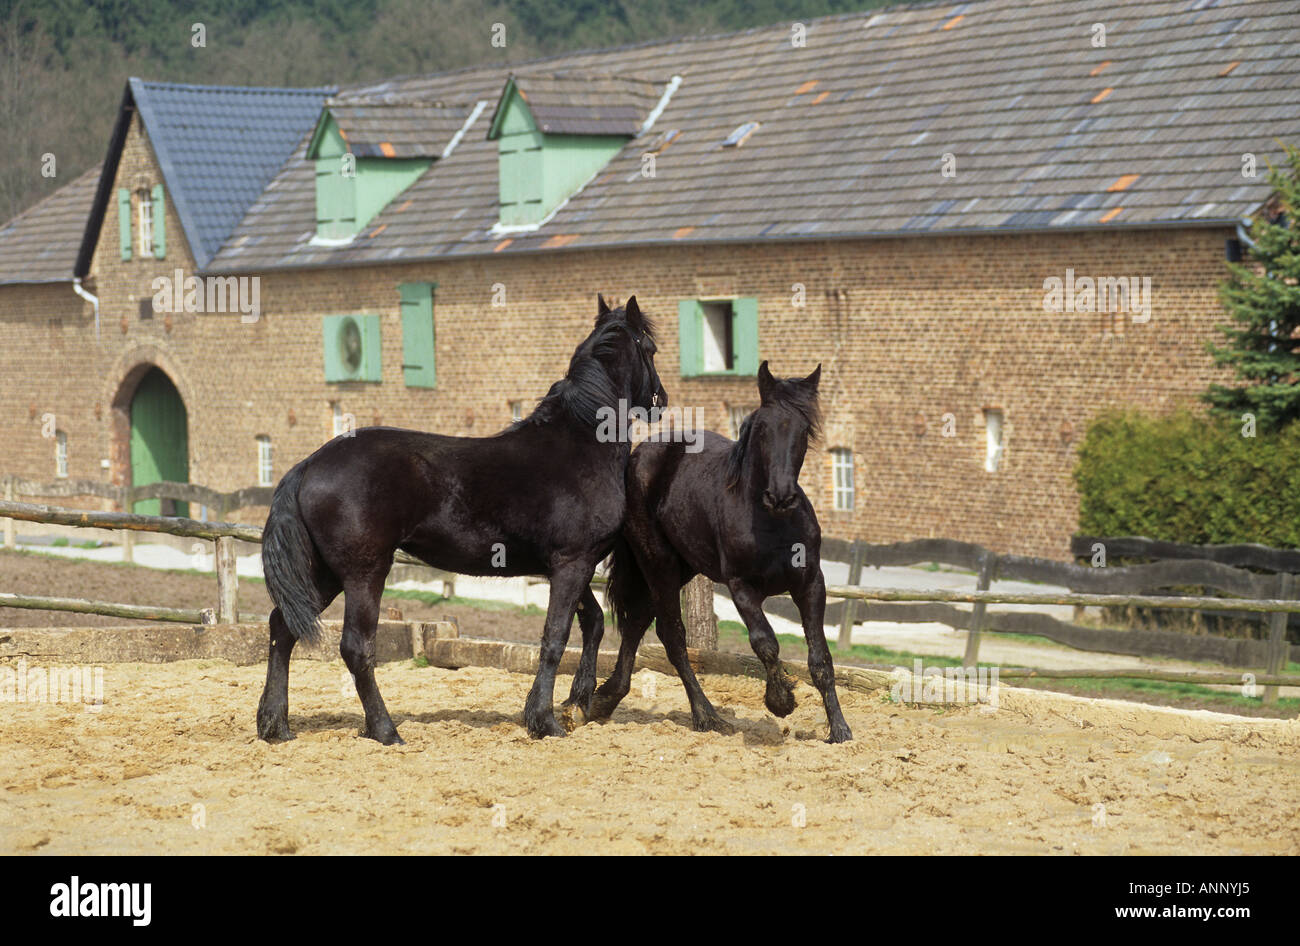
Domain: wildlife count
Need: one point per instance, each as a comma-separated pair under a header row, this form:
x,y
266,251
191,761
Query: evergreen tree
x,y
1263,297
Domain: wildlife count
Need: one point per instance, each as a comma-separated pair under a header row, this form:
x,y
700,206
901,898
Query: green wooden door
x,y
160,446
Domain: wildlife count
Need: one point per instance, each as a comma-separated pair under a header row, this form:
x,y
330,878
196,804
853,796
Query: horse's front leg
x,y
779,697
567,584
592,621
811,602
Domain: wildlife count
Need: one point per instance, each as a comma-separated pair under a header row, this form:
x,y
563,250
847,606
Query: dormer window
x,y
367,151
555,132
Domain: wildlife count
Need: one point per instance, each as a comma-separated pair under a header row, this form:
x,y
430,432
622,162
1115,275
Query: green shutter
x,y
371,369
124,221
690,332
326,213
336,200
744,335
418,363
347,200
159,223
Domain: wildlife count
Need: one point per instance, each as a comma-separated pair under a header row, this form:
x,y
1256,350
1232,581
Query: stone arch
x,y
129,370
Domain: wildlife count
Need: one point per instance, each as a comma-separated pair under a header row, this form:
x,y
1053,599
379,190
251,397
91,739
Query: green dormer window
x,y
554,133
368,152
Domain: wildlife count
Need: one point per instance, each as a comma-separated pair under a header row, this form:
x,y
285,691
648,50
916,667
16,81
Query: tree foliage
x,y
1189,478
1263,298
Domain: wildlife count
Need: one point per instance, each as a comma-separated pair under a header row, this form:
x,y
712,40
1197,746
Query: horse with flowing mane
x,y
544,497
736,513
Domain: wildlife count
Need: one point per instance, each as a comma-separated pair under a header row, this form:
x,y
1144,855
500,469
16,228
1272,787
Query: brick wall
x,y
907,330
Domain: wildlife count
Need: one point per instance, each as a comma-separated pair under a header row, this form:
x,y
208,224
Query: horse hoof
x,y
714,723
573,716
545,726
274,731
779,702
387,738
840,733
602,706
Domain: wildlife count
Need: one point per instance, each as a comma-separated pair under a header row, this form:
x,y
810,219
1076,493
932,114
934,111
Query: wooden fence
x,y
1109,586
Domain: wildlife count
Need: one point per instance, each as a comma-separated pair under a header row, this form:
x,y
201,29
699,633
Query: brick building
x,y
889,194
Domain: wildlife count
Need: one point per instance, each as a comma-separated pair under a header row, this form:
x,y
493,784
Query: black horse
x,y
543,497
734,512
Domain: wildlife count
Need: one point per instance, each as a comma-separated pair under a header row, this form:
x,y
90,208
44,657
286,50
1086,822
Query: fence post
x,y
11,537
1277,646
856,554
697,614
128,535
227,582
988,562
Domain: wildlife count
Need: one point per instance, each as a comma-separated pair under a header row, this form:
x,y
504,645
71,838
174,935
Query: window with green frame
x,y
718,336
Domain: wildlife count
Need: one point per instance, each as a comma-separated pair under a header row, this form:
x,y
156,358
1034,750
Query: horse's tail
x,y
287,554
628,593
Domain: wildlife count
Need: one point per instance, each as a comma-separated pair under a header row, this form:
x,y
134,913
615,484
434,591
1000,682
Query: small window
x,y
343,424
735,417
265,475
516,411
145,204
60,454
718,336
993,444
842,471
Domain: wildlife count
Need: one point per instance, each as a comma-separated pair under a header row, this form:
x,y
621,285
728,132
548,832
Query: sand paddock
x,y
170,765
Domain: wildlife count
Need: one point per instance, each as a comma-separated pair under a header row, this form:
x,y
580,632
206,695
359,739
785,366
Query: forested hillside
x,y
63,62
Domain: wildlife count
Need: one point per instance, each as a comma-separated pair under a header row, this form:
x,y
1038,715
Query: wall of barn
x,y
908,331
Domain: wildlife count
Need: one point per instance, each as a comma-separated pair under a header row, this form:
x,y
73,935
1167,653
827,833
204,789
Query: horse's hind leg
x,y
779,697
811,601
612,691
273,707
671,630
592,621
360,623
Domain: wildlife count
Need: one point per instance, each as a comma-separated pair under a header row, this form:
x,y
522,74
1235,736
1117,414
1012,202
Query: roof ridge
x,y
249,89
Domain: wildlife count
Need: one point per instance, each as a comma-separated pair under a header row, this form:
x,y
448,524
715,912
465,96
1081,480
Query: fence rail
x,y
1270,595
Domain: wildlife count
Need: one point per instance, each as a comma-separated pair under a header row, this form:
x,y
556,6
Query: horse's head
x,y
624,344
615,363
774,439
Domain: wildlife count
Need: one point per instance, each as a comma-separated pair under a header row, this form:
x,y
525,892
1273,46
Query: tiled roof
x,y
588,105
219,147
377,128
1044,130
41,243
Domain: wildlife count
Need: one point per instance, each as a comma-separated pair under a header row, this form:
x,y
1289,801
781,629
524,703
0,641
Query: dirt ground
x,y
170,765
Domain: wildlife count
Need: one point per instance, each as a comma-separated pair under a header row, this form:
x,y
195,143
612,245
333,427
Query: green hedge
x,y
1188,478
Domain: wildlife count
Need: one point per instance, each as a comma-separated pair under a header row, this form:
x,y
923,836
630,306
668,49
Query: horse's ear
x,y
815,378
765,383
632,309
602,307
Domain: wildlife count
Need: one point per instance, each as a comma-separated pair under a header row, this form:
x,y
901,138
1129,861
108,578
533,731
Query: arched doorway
x,y
160,443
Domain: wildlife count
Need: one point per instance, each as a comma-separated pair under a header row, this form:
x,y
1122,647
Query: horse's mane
x,y
587,387
792,394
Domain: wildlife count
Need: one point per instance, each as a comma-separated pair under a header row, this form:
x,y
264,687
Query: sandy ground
x,y
170,765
